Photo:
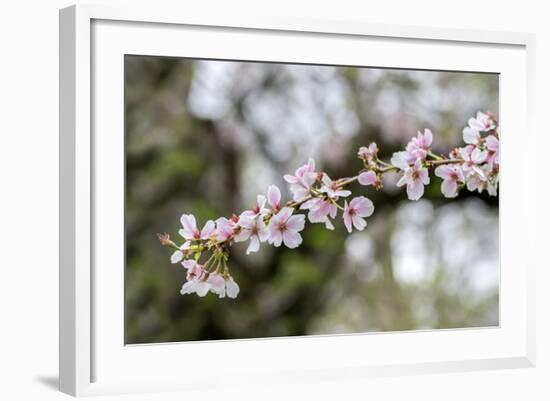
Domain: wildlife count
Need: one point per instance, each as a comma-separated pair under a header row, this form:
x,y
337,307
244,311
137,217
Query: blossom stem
x,y
207,263
337,205
388,169
443,161
436,157
382,162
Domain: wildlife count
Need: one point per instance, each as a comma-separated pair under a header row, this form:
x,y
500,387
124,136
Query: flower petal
x,y
189,225
254,245
284,214
298,192
428,138
232,288
470,135
328,224
367,178
247,222
260,202
188,222
311,204
217,283
479,156
263,232
208,229
424,176
311,164
188,287
202,288
308,179
296,222
275,237
292,239
274,196
444,171
492,143
359,222
449,188
242,235
476,123
342,193
224,229
291,179
176,257
415,190
402,181
399,160
347,217
188,264
459,173
363,206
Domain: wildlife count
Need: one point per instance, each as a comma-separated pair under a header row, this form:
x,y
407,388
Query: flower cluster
x,y
474,166
479,168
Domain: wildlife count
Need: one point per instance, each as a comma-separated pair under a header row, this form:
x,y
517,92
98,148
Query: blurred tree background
x,y
204,137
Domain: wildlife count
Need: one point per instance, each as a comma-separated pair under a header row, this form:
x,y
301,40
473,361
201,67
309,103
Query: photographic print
x,y
270,199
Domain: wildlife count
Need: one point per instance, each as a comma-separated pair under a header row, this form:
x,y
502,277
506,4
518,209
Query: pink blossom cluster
x,y
474,166
320,198
479,169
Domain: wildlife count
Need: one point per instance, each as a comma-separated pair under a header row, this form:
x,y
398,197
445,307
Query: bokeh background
x,y
204,137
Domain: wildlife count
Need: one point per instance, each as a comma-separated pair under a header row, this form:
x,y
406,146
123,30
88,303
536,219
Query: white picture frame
x,y
93,357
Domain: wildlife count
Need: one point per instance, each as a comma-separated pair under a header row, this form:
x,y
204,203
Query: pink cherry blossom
x,y
419,147
253,229
355,212
177,256
217,284
190,230
478,156
472,157
223,286
285,228
274,197
224,229
300,183
332,189
320,210
300,172
415,176
400,160
231,288
483,122
471,135
493,145
452,176
368,153
475,183
367,178
258,209
196,279
300,191
404,158
479,181
201,282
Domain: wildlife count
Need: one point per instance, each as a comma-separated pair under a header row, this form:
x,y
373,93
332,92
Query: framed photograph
x,y
285,200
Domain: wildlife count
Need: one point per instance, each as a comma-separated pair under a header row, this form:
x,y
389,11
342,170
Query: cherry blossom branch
x,y
205,252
